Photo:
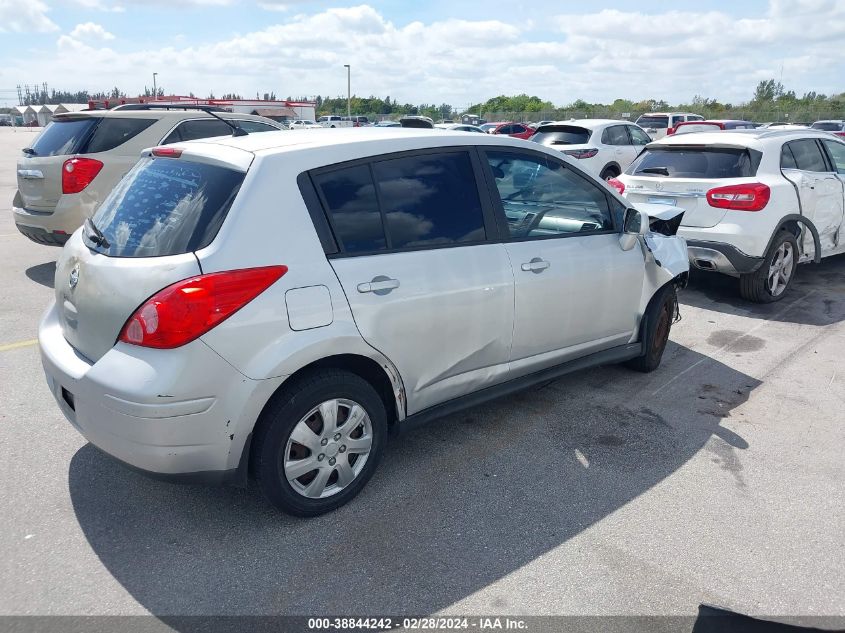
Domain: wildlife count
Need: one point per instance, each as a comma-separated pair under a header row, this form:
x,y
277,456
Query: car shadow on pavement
x,y
817,295
455,505
43,274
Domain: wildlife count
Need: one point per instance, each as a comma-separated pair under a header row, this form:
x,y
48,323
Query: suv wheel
x,y
660,313
318,442
770,282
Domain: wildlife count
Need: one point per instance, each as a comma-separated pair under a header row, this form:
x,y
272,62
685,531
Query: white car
x,y
459,127
335,121
660,124
604,147
197,333
835,127
304,124
757,202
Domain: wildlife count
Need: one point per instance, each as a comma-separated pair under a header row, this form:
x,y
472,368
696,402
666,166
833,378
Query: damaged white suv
x,y
273,303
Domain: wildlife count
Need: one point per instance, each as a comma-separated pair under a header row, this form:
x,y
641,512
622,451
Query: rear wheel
x,y
655,335
770,282
319,441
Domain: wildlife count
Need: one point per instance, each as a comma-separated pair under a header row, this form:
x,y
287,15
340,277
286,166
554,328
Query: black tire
x,y
609,172
756,286
658,324
285,410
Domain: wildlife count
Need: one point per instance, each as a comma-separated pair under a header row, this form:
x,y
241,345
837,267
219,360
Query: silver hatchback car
x,y
274,303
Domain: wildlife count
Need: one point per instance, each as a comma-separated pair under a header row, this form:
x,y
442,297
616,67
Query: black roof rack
x,y
237,130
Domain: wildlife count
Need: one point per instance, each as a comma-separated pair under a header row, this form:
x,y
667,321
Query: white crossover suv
x,y
756,202
604,147
272,303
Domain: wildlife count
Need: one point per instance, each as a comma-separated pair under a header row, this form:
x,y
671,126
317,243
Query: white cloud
x,y
596,57
99,5
90,31
29,16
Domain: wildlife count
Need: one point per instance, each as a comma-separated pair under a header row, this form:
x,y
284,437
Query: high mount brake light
x,y
749,197
186,310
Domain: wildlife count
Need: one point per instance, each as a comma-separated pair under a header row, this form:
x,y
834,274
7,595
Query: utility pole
x,y
348,89
155,91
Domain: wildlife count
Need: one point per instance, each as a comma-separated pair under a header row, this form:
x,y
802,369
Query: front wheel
x,y
319,441
770,282
655,334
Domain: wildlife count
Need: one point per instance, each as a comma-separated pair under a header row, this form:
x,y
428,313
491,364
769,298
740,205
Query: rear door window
x,y
562,135
430,200
64,137
696,163
615,135
349,196
196,129
113,132
808,155
787,160
166,206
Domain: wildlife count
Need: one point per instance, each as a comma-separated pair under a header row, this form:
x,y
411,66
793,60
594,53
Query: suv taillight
x,y
670,131
751,197
77,173
186,310
581,153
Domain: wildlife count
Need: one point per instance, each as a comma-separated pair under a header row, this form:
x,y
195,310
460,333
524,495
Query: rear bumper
x,y
181,415
721,257
53,227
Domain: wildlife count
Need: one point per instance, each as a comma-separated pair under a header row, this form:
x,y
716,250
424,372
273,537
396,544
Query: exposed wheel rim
x,y
328,448
780,269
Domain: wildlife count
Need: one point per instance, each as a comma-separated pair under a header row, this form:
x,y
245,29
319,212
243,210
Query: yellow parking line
x,y
8,346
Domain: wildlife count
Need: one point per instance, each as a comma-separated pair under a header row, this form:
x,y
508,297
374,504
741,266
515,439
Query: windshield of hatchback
x,y
63,137
696,163
562,135
165,206
827,127
656,122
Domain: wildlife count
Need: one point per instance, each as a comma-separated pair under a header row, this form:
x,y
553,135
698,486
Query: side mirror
x,y
635,224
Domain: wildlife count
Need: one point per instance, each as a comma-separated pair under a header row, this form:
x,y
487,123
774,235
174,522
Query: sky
x,y
439,51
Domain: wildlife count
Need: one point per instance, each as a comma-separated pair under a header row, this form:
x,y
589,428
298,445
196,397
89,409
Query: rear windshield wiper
x,y
29,151
663,171
95,234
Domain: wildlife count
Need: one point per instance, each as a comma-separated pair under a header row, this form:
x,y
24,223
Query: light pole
x,y
155,91
348,90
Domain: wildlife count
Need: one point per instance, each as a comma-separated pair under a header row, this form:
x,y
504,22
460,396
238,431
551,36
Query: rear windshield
x,y
656,122
698,127
61,138
827,127
696,163
166,206
562,135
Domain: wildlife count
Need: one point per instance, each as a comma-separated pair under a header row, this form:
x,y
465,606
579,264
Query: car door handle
x,y
379,285
536,265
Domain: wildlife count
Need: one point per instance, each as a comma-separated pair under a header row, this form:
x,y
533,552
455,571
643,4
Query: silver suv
x,y
274,303
79,157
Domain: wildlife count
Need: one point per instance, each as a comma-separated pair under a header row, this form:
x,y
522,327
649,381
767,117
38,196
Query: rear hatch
x,y
558,136
655,125
141,239
40,166
681,175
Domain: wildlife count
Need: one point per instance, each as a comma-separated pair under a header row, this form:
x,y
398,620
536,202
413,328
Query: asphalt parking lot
x,y
717,479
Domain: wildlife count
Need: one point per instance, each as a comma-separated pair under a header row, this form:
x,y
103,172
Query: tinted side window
x,y
113,132
350,198
787,160
542,198
808,156
430,199
615,135
837,154
192,130
505,129
254,126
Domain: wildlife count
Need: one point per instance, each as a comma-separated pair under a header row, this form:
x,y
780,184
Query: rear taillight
x,y
840,134
189,308
77,173
617,184
670,131
751,197
581,153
